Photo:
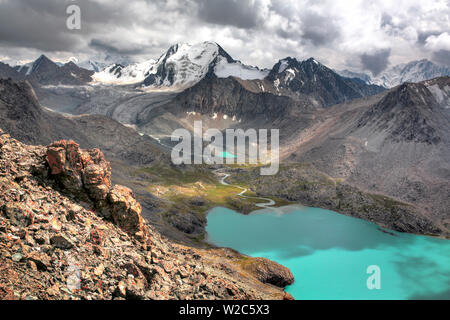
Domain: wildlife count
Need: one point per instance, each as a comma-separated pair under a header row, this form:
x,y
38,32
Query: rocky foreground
x,y
67,233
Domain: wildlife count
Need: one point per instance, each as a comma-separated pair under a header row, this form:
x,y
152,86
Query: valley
x,y
368,153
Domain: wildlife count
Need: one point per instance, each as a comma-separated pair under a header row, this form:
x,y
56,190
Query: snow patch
x,y
276,83
131,74
224,69
442,95
284,64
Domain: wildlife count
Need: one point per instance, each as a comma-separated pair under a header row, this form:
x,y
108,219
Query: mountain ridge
x,y
44,71
413,71
312,78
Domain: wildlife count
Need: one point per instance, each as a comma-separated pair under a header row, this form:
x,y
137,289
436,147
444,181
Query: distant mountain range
x,y
183,65
414,71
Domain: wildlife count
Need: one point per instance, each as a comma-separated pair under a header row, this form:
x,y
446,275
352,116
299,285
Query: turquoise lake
x,y
329,253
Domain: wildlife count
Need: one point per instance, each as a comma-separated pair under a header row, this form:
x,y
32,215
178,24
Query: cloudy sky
x,y
365,35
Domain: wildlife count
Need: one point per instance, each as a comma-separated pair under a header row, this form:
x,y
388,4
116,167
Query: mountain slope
x,y
22,116
100,61
396,143
407,113
119,74
227,103
414,71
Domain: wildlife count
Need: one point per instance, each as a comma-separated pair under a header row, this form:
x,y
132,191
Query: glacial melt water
x,y
329,253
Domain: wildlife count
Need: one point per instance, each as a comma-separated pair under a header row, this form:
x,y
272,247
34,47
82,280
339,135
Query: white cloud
x,y
437,43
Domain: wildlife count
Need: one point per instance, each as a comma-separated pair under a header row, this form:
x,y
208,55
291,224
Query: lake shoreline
x,y
327,232
306,186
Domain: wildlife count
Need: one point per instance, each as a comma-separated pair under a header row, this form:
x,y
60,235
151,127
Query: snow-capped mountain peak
x,y
414,71
181,66
33,66
312,78
119,74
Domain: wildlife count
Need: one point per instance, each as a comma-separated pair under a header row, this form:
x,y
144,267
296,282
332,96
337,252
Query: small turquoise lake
x,y
329,253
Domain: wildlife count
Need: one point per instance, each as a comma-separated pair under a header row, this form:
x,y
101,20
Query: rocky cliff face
x,y
237,98
67,233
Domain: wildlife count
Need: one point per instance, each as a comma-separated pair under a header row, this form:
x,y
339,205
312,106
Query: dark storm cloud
x,y
239,13
37,24
320,30
41,24
376,62
423,36
314,28
128,49
400,28
442,57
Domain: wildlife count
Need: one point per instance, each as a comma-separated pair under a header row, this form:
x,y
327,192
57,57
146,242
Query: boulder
x,y
97,175
126,211
18,215
87,173
80,171
41,260
96,181
61,242
268,271
56,158
97,236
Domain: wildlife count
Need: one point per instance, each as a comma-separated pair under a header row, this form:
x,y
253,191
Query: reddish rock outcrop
x,y
79,170
87,172
126,211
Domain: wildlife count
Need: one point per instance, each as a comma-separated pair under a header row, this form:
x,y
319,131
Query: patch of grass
x,y
168,175
387,202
